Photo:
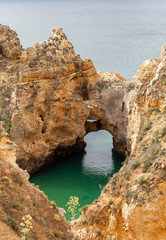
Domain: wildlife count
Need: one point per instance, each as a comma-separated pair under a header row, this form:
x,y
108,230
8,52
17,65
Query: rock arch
x,y
54,102
65,122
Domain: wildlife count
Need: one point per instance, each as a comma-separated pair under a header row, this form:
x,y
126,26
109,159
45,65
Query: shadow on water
x,y
80,174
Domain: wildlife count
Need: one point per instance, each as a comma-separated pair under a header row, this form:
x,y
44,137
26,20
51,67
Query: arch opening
x,y
119,144
99,159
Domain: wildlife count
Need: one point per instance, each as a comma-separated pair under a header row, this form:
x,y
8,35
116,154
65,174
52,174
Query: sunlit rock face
x,y
132,204
57,92
7,148
19,197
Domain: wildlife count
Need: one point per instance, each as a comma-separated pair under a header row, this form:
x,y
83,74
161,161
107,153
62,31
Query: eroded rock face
x,y
18,197
48,117
52,76
132,205
149,96
7,148
113,103
56,94
10,46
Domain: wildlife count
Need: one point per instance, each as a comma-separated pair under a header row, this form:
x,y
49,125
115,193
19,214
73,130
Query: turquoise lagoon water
x,y
80,175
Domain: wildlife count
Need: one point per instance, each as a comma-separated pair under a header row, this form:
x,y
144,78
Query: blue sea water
x,y
117,34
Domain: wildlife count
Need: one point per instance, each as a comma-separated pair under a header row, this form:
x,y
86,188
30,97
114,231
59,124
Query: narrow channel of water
x,y
81,174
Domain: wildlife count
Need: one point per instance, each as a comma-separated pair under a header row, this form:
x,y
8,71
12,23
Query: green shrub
x,y
144,180
144,129
147,126
100,84
62,60
156,137
65,51
99,233
12,223
155,111
147,164
15,205
135,164
163,132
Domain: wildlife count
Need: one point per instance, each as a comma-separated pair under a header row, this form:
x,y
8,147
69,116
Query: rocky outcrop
x,y
132,205
56,94
10,46
8,82
10,52
7,148
47,117
18,198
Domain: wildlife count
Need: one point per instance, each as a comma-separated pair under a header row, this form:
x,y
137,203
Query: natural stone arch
x,y
96,125
111,114
56,100
92,126
64,120
119,144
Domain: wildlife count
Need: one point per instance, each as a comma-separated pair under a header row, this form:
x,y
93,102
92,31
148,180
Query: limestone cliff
x,y
133,203
48,95
57,92
18,198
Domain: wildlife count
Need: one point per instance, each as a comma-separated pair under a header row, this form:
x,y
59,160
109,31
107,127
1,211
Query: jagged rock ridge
x,y
54,93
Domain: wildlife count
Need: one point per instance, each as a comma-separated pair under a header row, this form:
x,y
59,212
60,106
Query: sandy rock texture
x,y
18,197
10,46
133,203
57,92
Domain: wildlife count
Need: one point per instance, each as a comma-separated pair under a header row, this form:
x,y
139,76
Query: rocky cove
x,y
48,95
81,174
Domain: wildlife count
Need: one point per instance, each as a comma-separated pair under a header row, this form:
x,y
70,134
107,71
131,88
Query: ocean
x,y
118,35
